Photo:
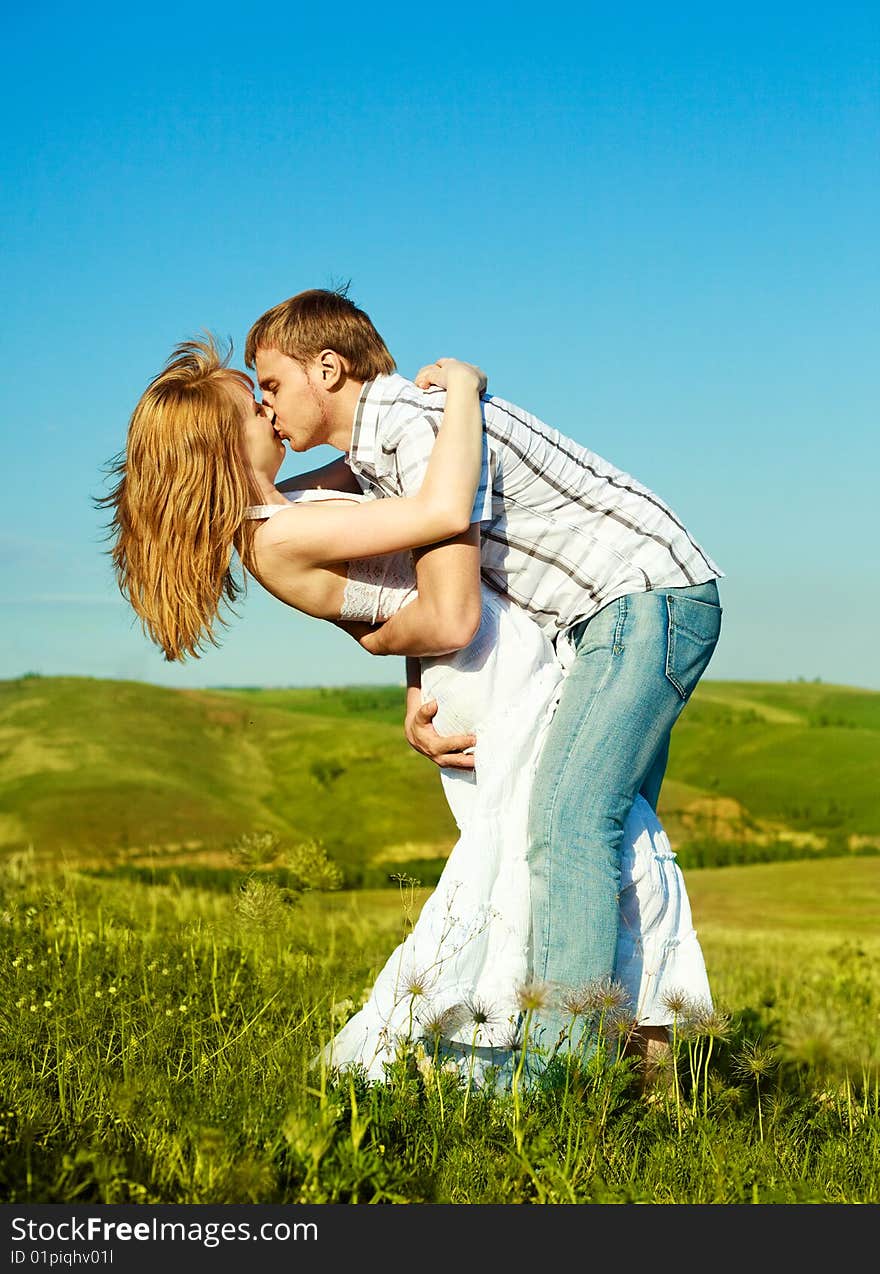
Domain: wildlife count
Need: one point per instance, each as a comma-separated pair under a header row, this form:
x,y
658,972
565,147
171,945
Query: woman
x,y
196,482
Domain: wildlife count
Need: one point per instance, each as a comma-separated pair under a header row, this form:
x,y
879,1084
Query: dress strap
x,y
314,495
263,510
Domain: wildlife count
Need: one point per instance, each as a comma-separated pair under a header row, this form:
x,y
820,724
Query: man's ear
x,y
332,369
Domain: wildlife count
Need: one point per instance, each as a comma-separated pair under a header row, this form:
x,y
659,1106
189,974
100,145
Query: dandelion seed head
x,y
623,1025
700,1009
417,982
480,1012
441,1023
677,1000
604,995
533,996
712,1024
754,1061
511,1041
577,1001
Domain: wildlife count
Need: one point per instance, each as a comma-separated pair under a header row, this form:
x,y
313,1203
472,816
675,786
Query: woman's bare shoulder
x,y
277,529
297,528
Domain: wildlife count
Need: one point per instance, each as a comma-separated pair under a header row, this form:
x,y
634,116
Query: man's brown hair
x,y
316,320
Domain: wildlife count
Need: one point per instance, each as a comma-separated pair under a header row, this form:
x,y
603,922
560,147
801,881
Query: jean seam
x,y
610,668
670,646
622,614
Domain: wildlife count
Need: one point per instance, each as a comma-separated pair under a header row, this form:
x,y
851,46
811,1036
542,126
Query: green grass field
x,y
157,1039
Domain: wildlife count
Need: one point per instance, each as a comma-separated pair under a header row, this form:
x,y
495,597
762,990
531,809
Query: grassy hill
x,y
788,763
102,772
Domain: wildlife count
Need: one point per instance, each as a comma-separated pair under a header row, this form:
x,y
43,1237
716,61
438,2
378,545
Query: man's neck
x,y
341,407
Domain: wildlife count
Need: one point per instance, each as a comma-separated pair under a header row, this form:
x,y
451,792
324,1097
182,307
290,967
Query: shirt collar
x,y
365,452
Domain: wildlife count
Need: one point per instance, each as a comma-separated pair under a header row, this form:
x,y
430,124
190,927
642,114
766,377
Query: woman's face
x,y
262,445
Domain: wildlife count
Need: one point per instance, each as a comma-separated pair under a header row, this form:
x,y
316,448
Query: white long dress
x,y
468,953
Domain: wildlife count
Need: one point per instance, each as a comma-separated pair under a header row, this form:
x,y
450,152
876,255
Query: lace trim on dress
x,y
364,588
375,587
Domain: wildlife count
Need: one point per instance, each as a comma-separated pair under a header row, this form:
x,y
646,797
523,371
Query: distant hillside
x,y
104,771
797,762
88,767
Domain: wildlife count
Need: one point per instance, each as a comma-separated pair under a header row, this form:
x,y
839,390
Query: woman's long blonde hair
x,y
179,504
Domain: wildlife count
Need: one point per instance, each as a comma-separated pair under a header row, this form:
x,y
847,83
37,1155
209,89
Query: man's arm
x,y
423,626
450,751
335,476
448,578
446,614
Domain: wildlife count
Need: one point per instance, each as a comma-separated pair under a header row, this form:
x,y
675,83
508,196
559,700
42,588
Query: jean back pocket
x,y
692,635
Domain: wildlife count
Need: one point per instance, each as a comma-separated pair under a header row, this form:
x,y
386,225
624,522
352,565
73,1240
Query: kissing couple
x,y
555,615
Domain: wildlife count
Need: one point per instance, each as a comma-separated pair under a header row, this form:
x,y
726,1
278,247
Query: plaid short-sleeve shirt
x,y
563,532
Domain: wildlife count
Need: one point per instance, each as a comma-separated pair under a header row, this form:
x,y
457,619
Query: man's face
x,y
292,392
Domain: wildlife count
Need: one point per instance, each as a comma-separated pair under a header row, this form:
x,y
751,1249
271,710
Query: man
x,y
599,562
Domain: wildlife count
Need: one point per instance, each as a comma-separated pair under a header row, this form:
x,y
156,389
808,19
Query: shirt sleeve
x,y
406,449
364,483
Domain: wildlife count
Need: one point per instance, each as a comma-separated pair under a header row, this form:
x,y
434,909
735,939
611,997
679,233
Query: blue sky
x,y
655,227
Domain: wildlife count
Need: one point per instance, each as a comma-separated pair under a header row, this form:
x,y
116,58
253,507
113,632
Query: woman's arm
x,y
440,510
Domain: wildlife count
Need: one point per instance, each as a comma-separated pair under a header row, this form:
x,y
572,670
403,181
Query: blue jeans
x,y
637,662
